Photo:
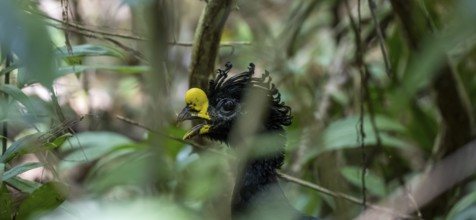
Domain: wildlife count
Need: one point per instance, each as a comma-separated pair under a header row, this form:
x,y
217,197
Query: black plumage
x,y
257,194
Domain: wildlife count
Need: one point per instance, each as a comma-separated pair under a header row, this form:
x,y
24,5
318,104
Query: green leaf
x,y
173,147
344,133
425,65
23,185
46,198
22,146
30,144
119,69
461,205
148,208
6,203
87,50
374,184
20,169
112,174
18,95
58,141
28,39
89,146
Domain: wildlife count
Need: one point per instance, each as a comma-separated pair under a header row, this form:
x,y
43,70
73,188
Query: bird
x,y
256,194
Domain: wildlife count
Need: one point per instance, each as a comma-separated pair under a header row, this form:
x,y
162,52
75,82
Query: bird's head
x,y
218,109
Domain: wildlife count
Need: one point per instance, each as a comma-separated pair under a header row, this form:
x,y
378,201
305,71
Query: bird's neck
x,y
257,177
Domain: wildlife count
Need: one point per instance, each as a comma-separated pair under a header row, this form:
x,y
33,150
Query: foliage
x,y
354,121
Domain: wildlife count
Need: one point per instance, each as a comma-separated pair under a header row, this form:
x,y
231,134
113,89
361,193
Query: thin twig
x,y
194,145
65,16
356,27
222,44
413,201
381,40
341,195
102,35
80,29
95,31
134,52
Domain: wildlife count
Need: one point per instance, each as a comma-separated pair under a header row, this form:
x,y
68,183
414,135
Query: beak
x,y
188,113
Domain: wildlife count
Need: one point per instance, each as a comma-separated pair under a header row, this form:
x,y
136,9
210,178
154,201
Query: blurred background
x,y
382,93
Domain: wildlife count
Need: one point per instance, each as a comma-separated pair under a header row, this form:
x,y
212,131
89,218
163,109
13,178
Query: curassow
x,y
256,194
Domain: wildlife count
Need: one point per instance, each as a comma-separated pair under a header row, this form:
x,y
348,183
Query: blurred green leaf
x,y
461,205
23,185
173,147
185,157
64,70
423,129
106,209
22,146
133,164
45,198
343,133
58,141
18,95
26,36
87,50
115,153
202,176
89,146
374,184
5,202
423,67
21,169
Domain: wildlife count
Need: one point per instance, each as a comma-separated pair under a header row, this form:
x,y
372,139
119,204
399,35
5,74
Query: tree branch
x,y
207,40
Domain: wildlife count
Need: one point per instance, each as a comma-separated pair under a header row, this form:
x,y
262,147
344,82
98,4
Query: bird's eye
x,y
228,106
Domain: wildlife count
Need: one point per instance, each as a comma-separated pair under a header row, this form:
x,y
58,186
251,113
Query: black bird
x,y
257,194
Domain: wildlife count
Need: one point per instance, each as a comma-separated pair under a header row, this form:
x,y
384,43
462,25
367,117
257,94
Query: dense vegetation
x,y
382,92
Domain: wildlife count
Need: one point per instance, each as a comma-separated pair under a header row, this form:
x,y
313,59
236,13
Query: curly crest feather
x,y
237,84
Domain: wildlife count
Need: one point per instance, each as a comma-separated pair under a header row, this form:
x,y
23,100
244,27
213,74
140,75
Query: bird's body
x,y
256,194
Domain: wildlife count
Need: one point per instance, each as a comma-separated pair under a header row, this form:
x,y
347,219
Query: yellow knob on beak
x,y
197,108
197,100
